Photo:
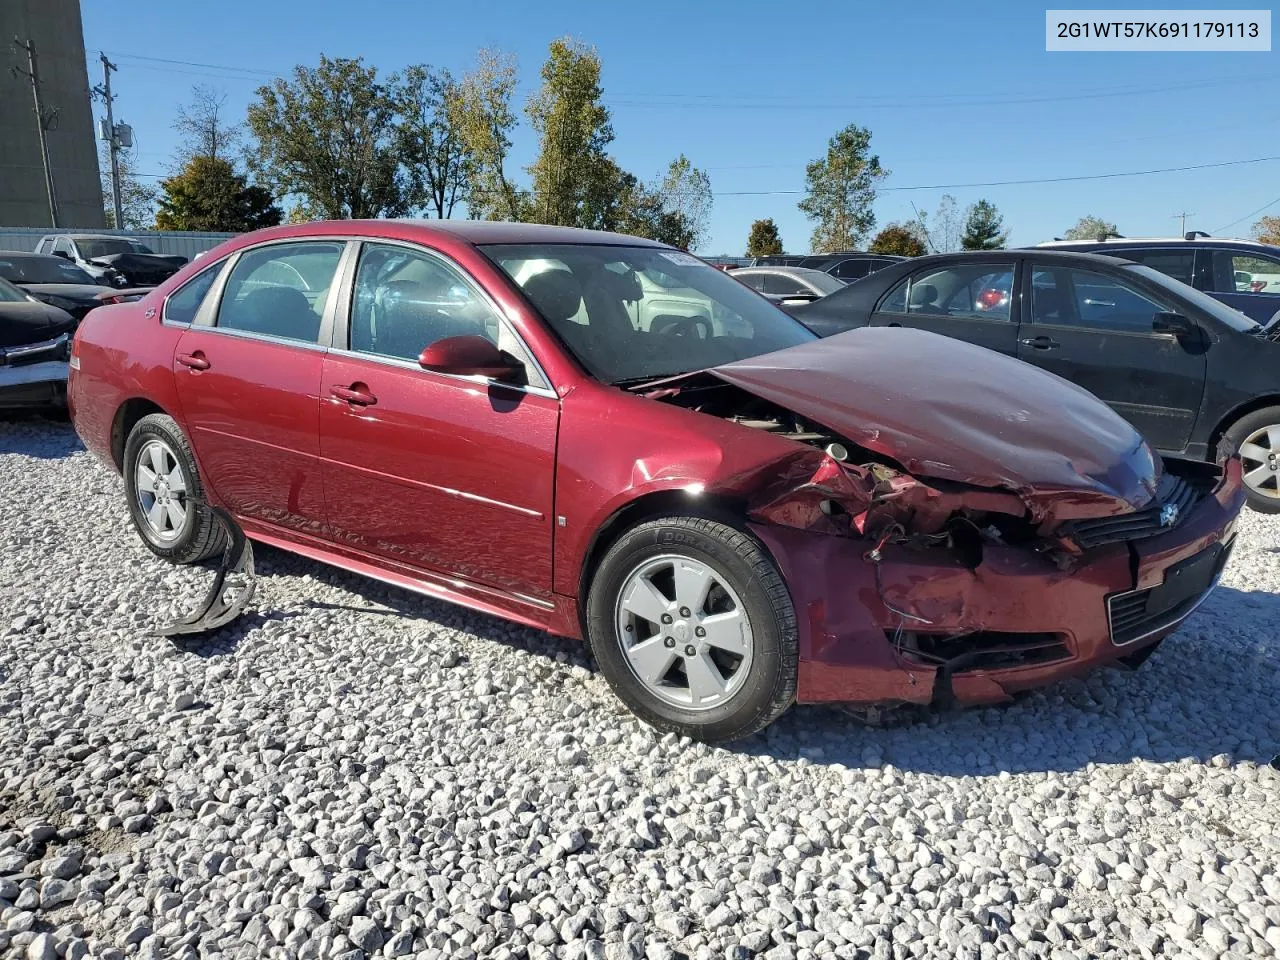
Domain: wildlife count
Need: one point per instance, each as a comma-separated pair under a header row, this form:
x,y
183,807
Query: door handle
x,y
193,361
357,395
1040,343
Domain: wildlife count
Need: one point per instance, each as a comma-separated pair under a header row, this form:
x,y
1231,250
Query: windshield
x,y
11,294
824,283
631,314
1216,308
98,247
41,270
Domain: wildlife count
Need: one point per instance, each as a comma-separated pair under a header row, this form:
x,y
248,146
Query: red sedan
x,y
609,439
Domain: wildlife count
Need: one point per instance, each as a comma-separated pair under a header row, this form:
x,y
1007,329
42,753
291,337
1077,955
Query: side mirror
x,y
63,254
468,356
1174,323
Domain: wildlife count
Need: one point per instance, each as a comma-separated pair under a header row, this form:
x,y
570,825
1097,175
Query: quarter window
x,y
280,290
1086,299
183,305
852,269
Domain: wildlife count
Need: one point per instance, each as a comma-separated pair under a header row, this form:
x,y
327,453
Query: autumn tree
x,y
479,109
203,127
1267,230
328,135
208,194
983,227
1091,228
898,239
840,189
763,240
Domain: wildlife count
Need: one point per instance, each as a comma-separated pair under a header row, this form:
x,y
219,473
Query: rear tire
x,y
166,498
1256,437
694,629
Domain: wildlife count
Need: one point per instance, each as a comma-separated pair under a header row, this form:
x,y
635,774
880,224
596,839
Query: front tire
x,y
1256,437
166,498
694,629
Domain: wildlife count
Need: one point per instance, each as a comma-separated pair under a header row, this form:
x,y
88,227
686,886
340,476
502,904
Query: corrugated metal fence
x,y
176,242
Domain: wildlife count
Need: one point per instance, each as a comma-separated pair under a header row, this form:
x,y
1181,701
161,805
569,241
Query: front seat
x,y
924,299
277,312
409,321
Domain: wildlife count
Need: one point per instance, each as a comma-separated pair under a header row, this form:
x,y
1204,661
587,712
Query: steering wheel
x,y
683,327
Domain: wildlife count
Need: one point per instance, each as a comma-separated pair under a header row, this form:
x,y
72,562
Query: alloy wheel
x,y
1260,458
161,490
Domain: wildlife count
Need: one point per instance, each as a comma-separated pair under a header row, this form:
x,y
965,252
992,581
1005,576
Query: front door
x,y
972,301
1247,280
1096,331
248,378
444,473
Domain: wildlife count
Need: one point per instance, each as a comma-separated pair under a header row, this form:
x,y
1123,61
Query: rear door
x,y
1247,280
972,300
1096,331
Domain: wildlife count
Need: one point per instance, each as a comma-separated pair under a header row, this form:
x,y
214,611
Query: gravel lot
x,y
352,771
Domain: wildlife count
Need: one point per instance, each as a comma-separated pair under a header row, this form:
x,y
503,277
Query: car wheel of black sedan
x,y
1256,437
693,627
166,499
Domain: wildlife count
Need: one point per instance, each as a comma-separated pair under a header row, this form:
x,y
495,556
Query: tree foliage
x,y
429,143
1267,230
1091,228
203,127
208,194
983,227
329,136
137,198
479,109
944,234
763,240
840,189
684,194
898,239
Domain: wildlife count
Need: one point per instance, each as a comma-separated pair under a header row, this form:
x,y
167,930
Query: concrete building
x,y
54,26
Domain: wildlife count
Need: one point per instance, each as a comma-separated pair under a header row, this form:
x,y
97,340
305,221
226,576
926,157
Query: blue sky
x,y
954,93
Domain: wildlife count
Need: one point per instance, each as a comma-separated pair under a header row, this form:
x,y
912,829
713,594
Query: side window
x,y
1250,273
63,245
754,280
896,301
779,285
404,301
852,269
184,303
46,245
280,290
1179,264
978,291
1086,299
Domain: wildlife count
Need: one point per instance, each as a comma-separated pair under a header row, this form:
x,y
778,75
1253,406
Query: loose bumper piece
x,y
233,585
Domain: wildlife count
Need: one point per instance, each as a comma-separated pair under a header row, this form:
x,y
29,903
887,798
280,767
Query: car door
x,y
248,376
972,300
1247,280
443,473
1096,330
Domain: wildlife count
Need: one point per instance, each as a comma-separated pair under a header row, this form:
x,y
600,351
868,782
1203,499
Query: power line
x,y
1010,183
1249,216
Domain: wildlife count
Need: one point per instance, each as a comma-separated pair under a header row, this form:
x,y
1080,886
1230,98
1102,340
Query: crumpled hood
x,y
949,410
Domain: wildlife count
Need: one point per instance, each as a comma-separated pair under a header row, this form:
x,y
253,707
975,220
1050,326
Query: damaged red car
x,y
610,439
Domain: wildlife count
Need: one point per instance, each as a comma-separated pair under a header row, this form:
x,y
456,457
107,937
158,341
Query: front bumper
x,y
922,627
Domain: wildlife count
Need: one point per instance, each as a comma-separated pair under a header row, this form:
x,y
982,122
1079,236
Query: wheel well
x,y
664,503
130,412
1243,410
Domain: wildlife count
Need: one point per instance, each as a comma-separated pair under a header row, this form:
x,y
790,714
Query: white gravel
x,y
352,771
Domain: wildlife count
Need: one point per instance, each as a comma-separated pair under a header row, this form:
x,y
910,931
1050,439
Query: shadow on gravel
x,y
1211,689
49,444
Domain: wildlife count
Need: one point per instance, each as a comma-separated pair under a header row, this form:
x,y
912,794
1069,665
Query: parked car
x,y
851,265
55,281
1243,274
778,260
1198,378
733,513
35,340
112,261
789,284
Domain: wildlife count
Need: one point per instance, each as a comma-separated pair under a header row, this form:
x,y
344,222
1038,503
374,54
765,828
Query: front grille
x,y
1173,493
984,650
1140,613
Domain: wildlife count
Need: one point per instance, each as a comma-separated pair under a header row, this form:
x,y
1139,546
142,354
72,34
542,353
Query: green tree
x,y
898,239
1091,228
137,198
204,129
479,109
430,145
208,194
983,227
328,136
573,131
684,193
1267,230
763,240
840,189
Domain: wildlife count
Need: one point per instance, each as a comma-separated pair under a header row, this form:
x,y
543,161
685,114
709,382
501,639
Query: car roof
x,y
1041,253
498,231
799,272
1156,241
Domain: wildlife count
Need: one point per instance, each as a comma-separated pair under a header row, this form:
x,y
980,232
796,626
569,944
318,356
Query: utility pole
x,y
43,122
1183,216
104,91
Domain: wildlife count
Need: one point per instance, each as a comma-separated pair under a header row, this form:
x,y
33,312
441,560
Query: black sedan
x,y
1198,378
35,343
60,283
